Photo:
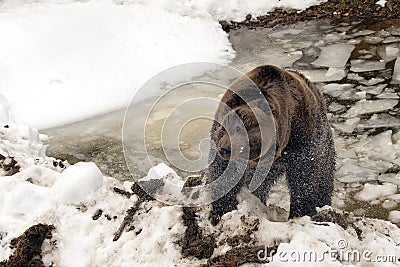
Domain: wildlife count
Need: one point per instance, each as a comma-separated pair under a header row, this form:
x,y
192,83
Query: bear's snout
x,y
224,147
225,150
233,149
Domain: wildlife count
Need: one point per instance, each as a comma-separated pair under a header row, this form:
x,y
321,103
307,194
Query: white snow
x,y
20,141
235,10
85,174
68,200
83,59
53,51
5,115
382,3
158,172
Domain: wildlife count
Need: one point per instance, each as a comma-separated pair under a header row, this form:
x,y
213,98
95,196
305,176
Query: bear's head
x,y
246,132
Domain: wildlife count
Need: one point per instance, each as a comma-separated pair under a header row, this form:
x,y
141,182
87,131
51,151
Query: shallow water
x,y
356,65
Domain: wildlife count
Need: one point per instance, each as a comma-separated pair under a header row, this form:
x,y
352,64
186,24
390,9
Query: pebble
x,y
389,204
394,216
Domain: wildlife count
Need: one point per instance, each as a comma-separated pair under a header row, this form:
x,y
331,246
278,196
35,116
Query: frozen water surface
x,y
370,106
373,39
378,147
388,95
390,178
335,55
352,94
355,77
372,191
336,89
362,33
348,126
363,65
336,107
391,39
319,75
351,172
381,120
372,81
373,90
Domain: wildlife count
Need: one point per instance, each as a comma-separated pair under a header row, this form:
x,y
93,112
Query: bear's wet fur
x,y
304,147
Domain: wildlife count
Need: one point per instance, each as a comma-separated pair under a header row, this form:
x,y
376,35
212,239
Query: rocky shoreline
x,y
336,10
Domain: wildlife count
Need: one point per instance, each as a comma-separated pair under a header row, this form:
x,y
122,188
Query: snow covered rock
x,y
77,182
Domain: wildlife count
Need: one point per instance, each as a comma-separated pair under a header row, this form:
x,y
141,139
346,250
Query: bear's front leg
x,y
269,176
303,175
224,202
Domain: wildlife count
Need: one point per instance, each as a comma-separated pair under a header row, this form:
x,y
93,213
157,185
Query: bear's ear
x,y
266,73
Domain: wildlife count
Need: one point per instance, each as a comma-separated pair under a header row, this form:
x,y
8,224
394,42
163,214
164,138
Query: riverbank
x,y
334,10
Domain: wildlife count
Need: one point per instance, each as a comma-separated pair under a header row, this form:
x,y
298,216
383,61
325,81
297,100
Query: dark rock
x,y
28,247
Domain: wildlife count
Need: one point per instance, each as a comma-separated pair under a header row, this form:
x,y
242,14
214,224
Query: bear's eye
x,y
238,129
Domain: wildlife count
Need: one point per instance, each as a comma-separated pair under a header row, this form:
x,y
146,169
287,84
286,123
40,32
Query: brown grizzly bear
x,y
300,140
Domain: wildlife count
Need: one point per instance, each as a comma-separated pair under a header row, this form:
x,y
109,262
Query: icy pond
x,y
357,67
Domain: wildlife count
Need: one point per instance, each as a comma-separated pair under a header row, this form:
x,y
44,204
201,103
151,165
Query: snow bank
x,y
21,141
235,10
63,61
87,212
